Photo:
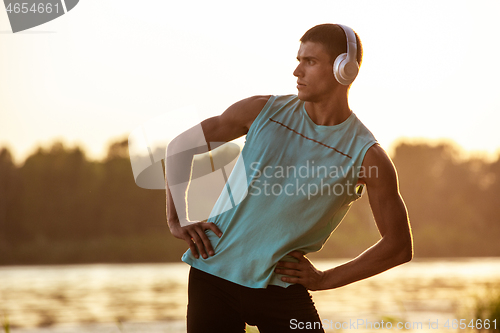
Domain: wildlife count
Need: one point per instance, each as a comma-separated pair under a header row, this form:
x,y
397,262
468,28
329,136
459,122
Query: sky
x,y
95,74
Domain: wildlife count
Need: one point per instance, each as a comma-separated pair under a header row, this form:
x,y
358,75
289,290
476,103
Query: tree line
x,y
60,207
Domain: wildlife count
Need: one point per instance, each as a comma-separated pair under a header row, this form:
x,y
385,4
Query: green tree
x,y
57,187
11,228
445,195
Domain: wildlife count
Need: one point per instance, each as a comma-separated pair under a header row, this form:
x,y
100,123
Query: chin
x,y
303,97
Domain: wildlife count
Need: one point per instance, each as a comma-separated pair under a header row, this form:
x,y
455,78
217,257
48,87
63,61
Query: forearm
x,y
175,203
173,219
178,163
192,233
382,256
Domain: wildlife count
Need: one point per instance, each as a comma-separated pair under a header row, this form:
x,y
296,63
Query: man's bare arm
x,y
394,248
233,123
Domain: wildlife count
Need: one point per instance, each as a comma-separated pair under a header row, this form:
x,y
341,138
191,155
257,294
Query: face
x,y
315,79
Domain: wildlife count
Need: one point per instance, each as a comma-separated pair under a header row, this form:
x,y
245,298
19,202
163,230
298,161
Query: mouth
x,y
300,84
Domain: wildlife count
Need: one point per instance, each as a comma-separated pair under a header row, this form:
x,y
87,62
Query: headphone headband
x,y
345,67
351,43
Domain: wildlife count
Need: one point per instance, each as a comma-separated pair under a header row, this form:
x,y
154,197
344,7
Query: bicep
x,y
235,121
387,205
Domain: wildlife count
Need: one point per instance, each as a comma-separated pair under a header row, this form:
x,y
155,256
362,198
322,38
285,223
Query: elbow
x,y
400,250
407,255
406,251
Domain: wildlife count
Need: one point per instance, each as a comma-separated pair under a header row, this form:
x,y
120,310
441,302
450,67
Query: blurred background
x,y
73,89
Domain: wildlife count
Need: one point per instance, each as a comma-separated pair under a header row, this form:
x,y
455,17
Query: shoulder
x,y
378,167
255,102
375,156
246,110
235,121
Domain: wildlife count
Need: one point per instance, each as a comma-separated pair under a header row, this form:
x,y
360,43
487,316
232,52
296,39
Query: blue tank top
x,y
301,179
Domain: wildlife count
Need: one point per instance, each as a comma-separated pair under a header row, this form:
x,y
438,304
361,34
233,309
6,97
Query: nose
x,y
298,70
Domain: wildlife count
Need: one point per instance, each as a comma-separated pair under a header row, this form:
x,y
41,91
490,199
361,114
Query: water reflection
x,y
128,298
43,296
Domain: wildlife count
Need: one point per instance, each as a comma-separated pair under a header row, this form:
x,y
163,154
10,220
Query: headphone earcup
x,y
336,67
345,72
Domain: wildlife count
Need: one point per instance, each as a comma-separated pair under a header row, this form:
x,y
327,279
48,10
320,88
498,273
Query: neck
x,y
331,111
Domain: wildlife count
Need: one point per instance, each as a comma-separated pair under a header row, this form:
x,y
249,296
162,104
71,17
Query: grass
x,y
6,325
488,308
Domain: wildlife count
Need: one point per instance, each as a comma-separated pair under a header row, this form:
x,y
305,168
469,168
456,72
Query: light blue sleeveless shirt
x,y
301,179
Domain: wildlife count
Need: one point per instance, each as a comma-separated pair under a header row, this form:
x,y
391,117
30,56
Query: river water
x,y
422,295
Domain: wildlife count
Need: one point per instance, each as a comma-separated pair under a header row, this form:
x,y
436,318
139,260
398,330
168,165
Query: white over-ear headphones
x,y
345,67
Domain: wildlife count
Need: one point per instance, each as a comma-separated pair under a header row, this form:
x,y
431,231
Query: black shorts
x,y
218,305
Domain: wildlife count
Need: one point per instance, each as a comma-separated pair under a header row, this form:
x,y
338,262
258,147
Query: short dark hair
x,y
333,38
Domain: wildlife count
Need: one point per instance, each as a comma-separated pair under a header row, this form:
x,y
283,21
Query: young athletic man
x,y
305,156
